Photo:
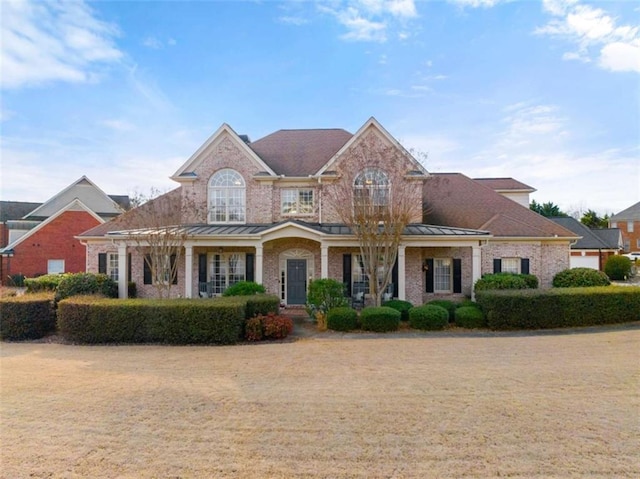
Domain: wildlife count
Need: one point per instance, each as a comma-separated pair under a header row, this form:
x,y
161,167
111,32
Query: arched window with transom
x,y
371,189
227,202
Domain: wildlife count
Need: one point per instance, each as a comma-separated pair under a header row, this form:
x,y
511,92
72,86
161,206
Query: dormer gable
x,y
187,172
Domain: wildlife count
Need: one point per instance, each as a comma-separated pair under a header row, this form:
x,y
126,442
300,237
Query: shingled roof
x,y
453,199
504,184
632,213
14,210
591,239
299,152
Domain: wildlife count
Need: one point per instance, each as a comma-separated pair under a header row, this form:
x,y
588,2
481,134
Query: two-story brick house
x,y
628,222
262,213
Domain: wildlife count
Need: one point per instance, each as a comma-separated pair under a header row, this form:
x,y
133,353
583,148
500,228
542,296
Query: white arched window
x,y
227,197
371,188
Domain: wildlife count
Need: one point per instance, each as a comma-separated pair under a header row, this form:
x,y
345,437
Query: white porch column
x,y
188,271
324,261
401,273
258,274
123,289
476,267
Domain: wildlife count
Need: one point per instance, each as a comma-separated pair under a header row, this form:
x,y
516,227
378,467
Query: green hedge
x,y
506,281
618,268
342,319
580,277
450,306
470,317
400,305
559,308
379,319
89,319
244,288
260,304
47,282
429,317
30,316
78,284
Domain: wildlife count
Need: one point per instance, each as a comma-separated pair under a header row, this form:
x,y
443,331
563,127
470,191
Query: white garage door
x,y
584,262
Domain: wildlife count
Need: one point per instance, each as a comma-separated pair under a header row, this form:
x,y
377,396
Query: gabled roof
x,y
14,210
73,205
630,214
453,199
591,239
186,171
84,190
125,221
300,152
372,123
505,184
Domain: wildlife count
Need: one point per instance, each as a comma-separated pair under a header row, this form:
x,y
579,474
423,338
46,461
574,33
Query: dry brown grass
x,y
534,406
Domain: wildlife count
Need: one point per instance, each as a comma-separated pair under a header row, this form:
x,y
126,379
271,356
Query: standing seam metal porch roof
x,y
328,228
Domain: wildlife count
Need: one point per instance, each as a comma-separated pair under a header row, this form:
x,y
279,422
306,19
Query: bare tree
x,y
157,231
378,194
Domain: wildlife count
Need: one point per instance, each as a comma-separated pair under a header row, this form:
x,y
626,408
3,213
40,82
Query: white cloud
x,y
594,32
371,20
53,41
292,20
156,44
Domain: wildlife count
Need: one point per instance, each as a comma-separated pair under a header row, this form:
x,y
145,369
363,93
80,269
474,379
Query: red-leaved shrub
x,y
270,326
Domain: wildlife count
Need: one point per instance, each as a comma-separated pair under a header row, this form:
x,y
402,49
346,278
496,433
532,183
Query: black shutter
x,y
102,263
346,272
202,268
174,270
524,265
146,269
497,265
429,272
249,274
128,267
457,275
394,278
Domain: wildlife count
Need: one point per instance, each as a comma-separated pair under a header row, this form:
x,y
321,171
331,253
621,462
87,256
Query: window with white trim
x,y
295,201
359,278
510,265
442,275
55,266
226,269
227,202
629,226
112,266
371,190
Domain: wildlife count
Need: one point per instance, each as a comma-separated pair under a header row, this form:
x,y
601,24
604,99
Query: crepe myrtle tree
x,y
156,231
376,194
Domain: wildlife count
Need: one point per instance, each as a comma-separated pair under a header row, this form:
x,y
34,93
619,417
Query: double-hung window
x,y
112,266
297,201
442,275
511,265
227,202
359,278
226,270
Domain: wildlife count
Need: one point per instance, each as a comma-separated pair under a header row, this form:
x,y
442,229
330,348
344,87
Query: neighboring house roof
x,y
504,184
591,239
453,199
84,190
123,201
14,210
300,152
630,214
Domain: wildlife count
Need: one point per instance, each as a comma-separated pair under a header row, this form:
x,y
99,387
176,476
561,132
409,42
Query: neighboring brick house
x,y
261,213
595,245
628,222
39,238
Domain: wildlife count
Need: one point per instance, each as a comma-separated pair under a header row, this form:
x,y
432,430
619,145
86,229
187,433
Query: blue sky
x,y
547,92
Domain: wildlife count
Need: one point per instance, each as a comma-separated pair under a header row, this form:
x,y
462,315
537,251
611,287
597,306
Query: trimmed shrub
x,y
342,319
400,305
466,303
244,288
47,282
429,317
450,306
560,307
76,284
325,294
91,319
470,317
618,268
379,319
260,304
27,317
580,277
504,281
270,326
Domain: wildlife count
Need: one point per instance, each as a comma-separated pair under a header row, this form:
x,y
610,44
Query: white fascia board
x,y
196,158
372,122
32,231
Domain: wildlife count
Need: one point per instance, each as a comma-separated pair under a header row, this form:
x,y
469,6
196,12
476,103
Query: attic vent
x,y
245,138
